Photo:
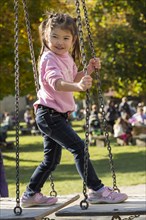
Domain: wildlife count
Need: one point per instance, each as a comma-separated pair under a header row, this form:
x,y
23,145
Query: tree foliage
x,y
119,35
121,43
36,10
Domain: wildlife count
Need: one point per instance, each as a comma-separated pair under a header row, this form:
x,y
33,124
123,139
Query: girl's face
x,y
59,41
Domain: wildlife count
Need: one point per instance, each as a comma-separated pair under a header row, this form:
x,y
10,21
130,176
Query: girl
x,y
59,78
122,130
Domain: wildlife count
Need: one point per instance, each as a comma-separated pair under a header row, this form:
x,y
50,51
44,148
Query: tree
x,y
7,43
121,39
119,36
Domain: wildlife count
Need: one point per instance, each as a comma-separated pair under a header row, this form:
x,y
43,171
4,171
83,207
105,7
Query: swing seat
x,y
135,205
33,213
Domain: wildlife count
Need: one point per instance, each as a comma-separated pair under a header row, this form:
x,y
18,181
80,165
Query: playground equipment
x,y
134,206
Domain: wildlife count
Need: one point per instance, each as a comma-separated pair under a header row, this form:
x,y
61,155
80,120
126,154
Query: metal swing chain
x,y
131,217
31,45
17,209
101,100
84,204
102,107
53,192
128,218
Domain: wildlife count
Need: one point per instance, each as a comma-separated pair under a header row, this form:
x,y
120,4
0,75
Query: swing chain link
x,y
131,217
84,204
88,28
26,15
100,97
53,192
34,66
17,209
127,218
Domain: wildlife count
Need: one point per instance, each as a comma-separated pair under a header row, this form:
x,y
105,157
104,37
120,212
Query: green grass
x,y
129,164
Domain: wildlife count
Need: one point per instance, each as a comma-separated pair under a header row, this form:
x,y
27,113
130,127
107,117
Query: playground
x,y
121,166
66,179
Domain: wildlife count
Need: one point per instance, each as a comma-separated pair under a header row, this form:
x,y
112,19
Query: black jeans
x,y
58,133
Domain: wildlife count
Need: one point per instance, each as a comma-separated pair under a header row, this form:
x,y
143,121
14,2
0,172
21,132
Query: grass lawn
x,y
129,163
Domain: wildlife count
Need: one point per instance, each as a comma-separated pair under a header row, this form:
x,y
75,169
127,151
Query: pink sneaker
x,y
106,195
37,200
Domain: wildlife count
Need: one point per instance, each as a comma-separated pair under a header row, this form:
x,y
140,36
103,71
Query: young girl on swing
x,y
59,78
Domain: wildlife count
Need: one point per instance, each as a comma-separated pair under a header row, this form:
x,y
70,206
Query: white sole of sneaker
x,y
33,205
107,201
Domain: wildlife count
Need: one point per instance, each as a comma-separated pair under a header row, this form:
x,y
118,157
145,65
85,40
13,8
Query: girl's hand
x,y
94,63
85,83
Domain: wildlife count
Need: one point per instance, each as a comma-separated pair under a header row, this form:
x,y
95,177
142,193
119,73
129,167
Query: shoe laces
x,y
108,192
38,196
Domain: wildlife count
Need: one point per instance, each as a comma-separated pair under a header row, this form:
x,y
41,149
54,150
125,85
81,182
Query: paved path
x,y
138,190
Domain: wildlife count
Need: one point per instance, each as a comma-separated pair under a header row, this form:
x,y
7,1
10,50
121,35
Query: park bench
x,y
25,131
99,140
138,130
140,140
139,135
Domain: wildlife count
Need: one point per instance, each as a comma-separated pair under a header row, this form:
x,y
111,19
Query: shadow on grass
x,y
11,158
31,148
25,148
124,163
79,131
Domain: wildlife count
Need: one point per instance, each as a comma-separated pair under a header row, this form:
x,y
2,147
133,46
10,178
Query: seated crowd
x,y
121,120
124,118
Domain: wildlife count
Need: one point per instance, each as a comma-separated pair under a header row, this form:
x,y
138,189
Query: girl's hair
x,y
63,21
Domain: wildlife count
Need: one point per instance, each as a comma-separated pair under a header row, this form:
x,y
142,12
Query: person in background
x,y
139,118
124,107
28,117
122,130
111,114
7,121
94,123
74,114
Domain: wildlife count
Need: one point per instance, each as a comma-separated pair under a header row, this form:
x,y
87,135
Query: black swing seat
x,y
135,205
34,213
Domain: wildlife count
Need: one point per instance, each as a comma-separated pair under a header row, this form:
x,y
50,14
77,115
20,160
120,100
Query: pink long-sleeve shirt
x,y
52,68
